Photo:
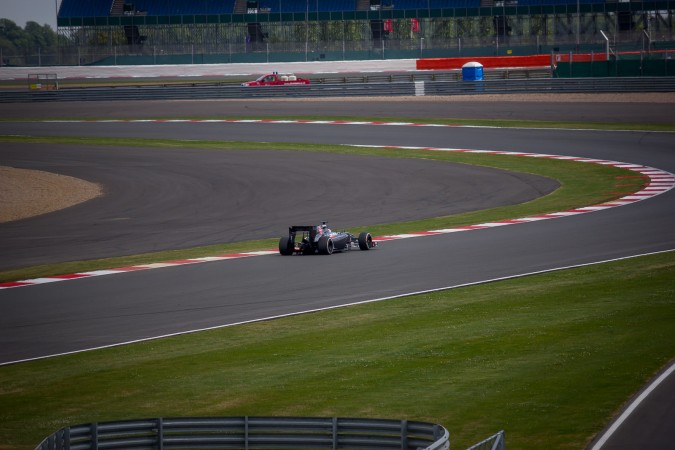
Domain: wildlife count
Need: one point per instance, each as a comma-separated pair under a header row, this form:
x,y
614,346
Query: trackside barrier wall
x,y
251,433
620,68
487,62
493,62
411,88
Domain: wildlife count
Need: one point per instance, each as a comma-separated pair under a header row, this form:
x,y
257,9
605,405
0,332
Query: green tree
x,y
15,40
40,35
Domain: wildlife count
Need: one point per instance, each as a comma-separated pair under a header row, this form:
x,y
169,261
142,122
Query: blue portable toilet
x,y
472,71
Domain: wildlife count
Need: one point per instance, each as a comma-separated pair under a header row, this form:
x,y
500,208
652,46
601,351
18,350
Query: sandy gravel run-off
x,y
27,193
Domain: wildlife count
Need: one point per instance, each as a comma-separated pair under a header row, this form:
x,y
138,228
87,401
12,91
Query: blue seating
x,y
555,2
85,8
442,4
298,6
429,4
101,8
183,7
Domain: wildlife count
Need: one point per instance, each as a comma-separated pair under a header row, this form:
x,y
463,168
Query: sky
x,y
22,11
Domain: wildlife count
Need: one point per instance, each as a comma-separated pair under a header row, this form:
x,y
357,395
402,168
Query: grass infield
x,y
549,358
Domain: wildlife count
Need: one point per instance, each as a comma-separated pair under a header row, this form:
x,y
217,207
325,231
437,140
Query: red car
x,y
277,79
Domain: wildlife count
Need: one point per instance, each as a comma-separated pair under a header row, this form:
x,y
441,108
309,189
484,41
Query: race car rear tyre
x,y
365,241
286,246
325,245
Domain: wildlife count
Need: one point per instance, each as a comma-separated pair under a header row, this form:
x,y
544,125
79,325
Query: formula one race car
x,y
311,239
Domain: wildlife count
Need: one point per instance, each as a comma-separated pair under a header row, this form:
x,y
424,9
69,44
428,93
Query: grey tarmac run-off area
x,y
29,193
639,108
26,193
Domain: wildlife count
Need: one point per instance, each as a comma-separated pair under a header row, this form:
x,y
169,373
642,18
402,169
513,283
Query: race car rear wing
x,y
311,229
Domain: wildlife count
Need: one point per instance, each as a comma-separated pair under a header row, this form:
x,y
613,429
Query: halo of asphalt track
x,y
62,317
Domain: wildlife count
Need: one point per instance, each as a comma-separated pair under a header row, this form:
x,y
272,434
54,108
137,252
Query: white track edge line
x,y
328,308
632,407
338,122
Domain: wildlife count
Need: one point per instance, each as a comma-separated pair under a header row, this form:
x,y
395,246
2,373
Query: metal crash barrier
x,y
251,433
407,88
495,442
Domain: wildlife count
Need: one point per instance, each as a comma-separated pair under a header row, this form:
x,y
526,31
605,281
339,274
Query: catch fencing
x,y
251,433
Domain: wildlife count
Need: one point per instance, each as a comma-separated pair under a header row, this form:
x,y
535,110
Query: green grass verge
x,y
582,184
548,358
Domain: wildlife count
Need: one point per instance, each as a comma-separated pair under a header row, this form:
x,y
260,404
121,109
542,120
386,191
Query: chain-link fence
x,y
210,43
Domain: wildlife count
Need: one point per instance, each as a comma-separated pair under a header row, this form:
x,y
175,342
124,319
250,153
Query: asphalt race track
x,y
75,315
205,197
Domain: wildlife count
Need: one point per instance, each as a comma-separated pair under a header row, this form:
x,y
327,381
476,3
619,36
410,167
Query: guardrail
x,y
434,75
251,433
495,442
414,88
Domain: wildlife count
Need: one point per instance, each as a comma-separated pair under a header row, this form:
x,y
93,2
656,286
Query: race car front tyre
x,y
325,245
286,246
365,241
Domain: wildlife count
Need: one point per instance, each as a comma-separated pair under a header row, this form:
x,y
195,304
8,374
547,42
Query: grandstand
x,y
216,31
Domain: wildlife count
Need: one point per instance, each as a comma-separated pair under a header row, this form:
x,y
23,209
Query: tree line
x,y
17,41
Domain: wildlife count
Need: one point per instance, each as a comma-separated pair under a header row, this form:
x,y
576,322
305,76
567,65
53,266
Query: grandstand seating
x,y
554,2
295,6
428,4
183,7
100,8
84,8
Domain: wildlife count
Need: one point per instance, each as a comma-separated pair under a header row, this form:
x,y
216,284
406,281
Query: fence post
x,y
245,432
94,436
404,434
335,433
66,439
160,434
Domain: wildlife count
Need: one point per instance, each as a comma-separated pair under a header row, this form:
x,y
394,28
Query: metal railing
x,y
495,442
251,433
407,88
